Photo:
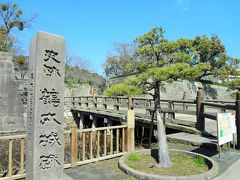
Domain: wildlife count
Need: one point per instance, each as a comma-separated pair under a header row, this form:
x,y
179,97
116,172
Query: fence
x,y
15,163
82,146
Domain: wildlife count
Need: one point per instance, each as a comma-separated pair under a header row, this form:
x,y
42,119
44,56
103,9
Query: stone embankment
x,y
11,107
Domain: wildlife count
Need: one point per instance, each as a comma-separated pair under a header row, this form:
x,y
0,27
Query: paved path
x,y
233,172
103,170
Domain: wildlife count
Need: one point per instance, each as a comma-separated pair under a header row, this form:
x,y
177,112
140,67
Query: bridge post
x,y
130,102
238,116
199,110
116,106
73,98
94,100
130,130
104,102
170,108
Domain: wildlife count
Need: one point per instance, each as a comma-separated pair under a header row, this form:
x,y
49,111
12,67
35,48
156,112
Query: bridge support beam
x,y
109,123
94,121
81,121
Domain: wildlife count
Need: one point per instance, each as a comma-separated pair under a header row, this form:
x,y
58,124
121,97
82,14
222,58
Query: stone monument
x,y
45,140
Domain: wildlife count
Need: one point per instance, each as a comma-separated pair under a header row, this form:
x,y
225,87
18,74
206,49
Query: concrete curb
x,y
213,172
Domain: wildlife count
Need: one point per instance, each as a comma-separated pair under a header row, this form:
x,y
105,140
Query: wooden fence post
x,y
130,103
94,101
73,98
200,109
130,130
238,116
104,102
74,146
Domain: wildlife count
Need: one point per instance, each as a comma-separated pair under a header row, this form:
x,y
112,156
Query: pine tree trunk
x,y
163,153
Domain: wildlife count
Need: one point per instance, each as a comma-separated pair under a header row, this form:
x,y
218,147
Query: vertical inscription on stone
x,y
45,108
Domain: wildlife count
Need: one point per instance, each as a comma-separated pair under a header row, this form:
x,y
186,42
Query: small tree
x,y
167,61
21,65
11,17
122,61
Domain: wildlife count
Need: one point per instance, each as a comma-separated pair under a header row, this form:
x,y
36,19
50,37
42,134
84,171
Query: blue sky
x,y
90,27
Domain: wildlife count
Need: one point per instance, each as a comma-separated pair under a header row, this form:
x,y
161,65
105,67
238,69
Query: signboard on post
x,y
224,128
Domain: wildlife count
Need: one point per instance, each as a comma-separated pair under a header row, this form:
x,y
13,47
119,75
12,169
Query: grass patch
x,y
133,159
183,164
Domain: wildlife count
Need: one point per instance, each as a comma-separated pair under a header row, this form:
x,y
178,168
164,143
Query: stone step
x,y
192,139
183,128
182,122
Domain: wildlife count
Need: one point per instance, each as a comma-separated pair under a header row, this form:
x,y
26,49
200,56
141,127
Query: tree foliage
x,y
6,41
21,65
210,52
122,62
78,71
167,61
11,17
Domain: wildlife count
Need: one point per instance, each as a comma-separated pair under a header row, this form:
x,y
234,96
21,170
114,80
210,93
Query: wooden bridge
x,y
183,115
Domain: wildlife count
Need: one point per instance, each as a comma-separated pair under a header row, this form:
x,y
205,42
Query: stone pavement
x,y
232,173
103,170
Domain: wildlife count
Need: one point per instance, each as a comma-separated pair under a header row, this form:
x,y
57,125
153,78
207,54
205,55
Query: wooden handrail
x,y
101,128
224,106
19,136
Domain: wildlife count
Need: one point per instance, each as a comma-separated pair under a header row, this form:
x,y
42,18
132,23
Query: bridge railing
x,y
90,145
222,106
143,106
81,146
121,103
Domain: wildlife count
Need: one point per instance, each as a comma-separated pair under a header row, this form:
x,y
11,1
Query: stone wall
x,y
176,89
11,107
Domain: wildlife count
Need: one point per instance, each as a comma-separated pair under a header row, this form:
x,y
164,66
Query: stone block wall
x,y
11,107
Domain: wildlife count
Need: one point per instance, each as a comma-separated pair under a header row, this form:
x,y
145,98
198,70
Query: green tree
x,y
211,53
165,61
11,17
122,61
